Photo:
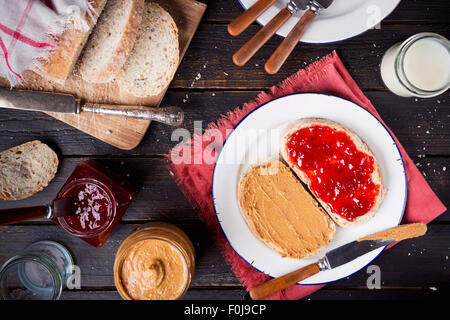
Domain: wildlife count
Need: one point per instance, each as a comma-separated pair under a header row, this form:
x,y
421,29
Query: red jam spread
x,y
340,174
94,207
101,198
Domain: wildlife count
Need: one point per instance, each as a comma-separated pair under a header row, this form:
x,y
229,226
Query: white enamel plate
x,y
342,20
255,139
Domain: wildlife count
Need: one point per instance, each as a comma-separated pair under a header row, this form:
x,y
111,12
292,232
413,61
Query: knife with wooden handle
x,y
280,55
340,256
59,208
241,23
258,40
66,103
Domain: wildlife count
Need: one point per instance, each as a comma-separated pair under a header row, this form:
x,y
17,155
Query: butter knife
x,y
66,103
59,208
339,256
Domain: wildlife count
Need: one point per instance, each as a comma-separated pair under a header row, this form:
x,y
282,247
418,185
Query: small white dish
x,y
342,20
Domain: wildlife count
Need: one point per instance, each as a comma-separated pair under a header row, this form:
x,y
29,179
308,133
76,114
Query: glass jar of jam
x,y
101,199
155,262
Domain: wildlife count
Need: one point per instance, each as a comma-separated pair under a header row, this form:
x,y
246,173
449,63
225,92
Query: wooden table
x,y
207,85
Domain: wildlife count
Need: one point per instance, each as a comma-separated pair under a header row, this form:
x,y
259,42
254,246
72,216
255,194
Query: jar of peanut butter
x,y
155,262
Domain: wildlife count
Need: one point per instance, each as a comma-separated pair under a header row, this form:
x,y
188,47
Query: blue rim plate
x,y
255,139
342,20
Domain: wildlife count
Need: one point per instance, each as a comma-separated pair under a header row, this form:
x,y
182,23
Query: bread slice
x,y
63,58
152,64
281,213
111,40
361,146
26,169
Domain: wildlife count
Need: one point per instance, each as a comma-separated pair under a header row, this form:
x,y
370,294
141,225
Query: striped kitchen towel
x,y
29,30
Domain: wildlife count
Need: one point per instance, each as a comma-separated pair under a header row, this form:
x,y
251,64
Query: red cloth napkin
x,y
328,75
28,29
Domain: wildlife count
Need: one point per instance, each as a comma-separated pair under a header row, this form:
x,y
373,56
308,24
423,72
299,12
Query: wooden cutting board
x,y
123,133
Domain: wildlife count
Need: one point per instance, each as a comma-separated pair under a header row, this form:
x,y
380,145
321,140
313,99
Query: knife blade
x,y
323,4
340,256
350,252
38,101
66,103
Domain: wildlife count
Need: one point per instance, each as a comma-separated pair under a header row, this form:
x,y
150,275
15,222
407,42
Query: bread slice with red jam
x,y
337,166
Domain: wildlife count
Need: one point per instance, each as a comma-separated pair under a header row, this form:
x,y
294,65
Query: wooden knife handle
x,y
8,216
270,287
258,40
284,50
241,23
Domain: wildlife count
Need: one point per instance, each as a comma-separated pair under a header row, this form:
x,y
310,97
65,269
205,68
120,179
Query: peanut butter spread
x,y
281,213
154,270
399,233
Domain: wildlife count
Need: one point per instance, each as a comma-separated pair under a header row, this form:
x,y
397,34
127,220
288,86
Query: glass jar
x,y
101,197
39,273
155,262
419,66
88,222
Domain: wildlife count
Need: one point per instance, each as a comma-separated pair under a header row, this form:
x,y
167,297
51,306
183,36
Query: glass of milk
x,y
418,67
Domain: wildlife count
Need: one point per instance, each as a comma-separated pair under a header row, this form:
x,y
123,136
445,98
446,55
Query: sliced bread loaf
x,y
111,40
154,59
26,169
63,58
347,184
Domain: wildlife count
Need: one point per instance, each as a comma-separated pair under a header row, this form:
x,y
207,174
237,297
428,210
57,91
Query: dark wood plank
x,y
161,199
210,52
418,124
192,294
403,265
365,294
417,268
223,11
325,294
96,264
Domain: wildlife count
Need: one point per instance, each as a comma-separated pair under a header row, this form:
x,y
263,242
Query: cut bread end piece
x,y
154,59
111,41
63,58
361,146
281,213
26,169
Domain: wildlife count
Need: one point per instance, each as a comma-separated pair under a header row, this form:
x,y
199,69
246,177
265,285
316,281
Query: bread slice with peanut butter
x,y
281,212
